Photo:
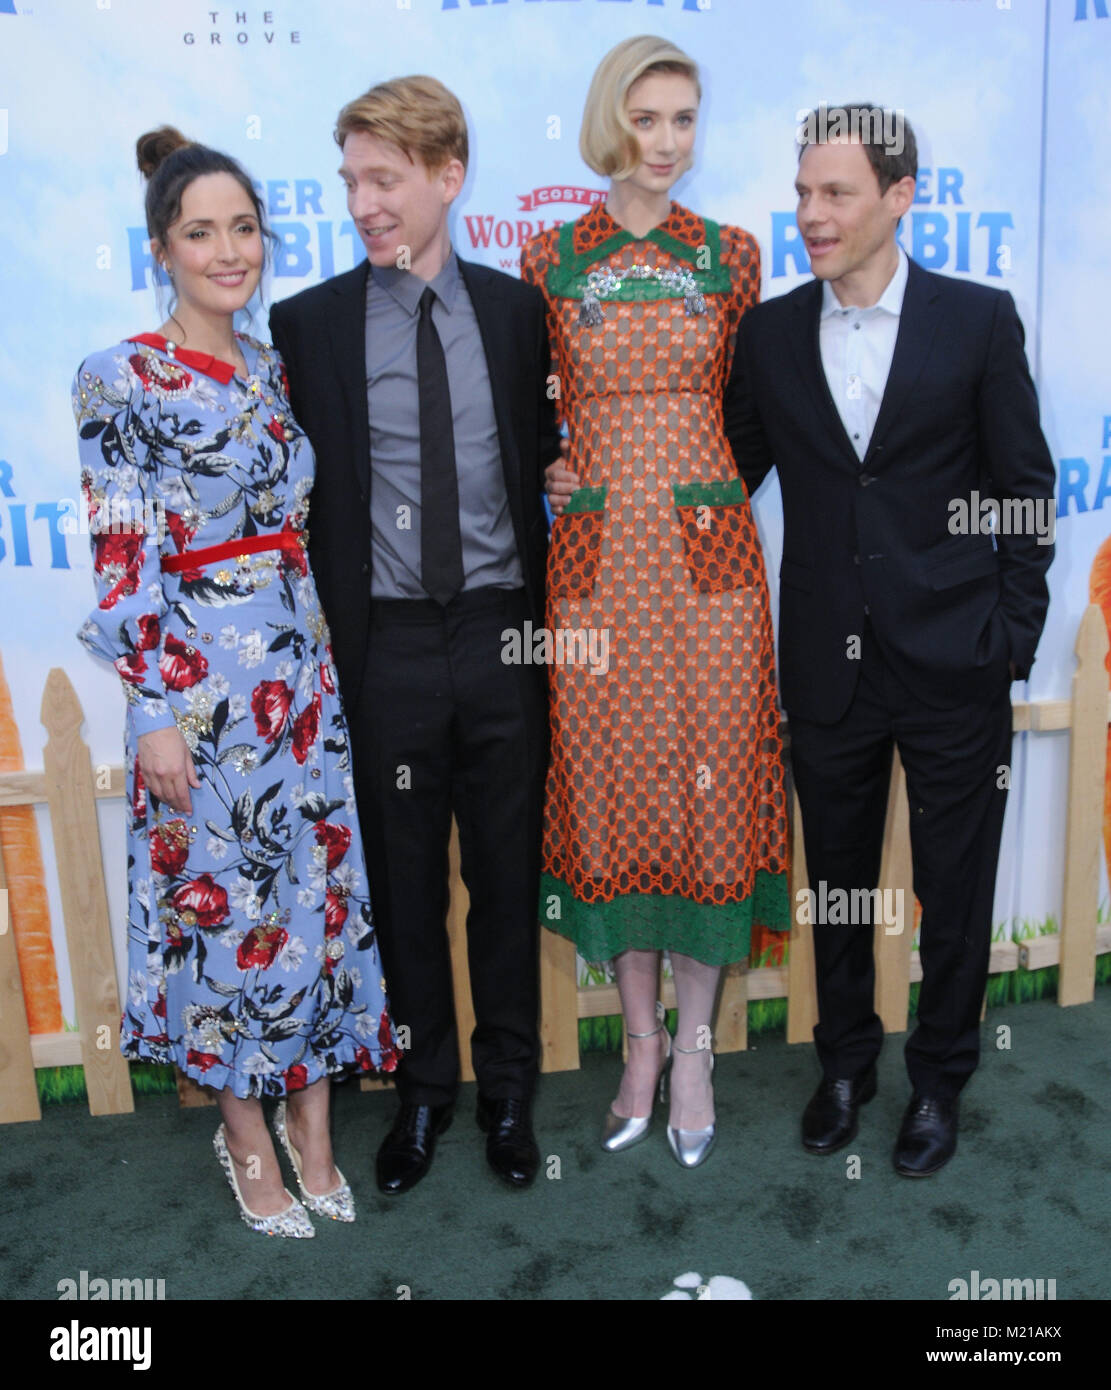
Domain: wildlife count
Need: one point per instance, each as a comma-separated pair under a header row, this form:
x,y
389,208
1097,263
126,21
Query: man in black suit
x,y
422,383
892,401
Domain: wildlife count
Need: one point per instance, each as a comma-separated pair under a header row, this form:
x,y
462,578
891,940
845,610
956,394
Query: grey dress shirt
x,y
489,546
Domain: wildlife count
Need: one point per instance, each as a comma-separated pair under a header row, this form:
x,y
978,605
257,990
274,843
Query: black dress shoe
x,y
927,1137
510,1146
829,1121
406,1152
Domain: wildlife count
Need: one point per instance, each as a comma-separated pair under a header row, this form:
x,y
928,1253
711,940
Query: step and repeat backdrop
x,y
1010,100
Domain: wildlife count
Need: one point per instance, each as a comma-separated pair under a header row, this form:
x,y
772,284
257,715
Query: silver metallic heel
x,y
621,1132
294,1221
339,1204
692,1146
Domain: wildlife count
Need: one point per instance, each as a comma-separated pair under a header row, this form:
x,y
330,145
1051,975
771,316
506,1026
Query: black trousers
x,y
954,761
443,725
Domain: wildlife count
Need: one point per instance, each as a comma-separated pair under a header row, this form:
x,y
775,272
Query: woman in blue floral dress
x,y
252,957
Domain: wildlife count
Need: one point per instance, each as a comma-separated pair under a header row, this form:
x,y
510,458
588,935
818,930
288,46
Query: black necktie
x,y
441,546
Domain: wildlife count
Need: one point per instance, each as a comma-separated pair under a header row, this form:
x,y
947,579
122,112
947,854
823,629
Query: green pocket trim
x,y
586,499
725,492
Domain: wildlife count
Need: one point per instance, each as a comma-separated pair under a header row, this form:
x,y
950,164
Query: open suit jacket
x,y
873,538
321,336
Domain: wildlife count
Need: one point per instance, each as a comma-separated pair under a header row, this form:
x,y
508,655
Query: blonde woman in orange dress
x,y
665,823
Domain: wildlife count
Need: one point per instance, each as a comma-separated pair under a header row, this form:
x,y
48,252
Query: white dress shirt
x,y
857,346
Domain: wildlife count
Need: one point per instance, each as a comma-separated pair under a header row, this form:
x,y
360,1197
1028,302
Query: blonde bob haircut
x,y
417,114
607,141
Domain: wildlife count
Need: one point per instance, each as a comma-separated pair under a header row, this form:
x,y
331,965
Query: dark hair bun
x,y
153,147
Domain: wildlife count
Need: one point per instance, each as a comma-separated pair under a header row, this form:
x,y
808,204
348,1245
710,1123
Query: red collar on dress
x,y
203,362
597,226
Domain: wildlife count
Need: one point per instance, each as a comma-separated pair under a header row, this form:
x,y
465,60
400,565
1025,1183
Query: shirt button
x,y
856,327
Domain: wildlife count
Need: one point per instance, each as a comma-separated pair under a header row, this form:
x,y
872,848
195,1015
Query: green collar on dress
x,y
568,279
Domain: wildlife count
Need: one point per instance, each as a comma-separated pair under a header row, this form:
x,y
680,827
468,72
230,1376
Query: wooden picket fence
x,y
70,787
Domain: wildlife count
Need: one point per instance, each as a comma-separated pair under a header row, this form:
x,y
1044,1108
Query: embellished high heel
x,y
621,1132
692,1146
339,1204
294,1221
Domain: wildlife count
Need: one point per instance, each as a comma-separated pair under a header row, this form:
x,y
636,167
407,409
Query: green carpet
x,y
141,1196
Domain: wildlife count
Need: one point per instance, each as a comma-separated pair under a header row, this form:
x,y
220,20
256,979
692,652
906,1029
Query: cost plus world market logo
x,y
489,232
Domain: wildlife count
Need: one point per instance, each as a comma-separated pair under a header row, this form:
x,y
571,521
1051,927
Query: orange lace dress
x,y
665,823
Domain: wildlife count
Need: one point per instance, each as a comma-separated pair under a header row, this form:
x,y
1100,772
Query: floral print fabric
x,y
253,961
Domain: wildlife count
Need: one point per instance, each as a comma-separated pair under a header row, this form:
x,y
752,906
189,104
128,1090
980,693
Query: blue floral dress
x,y
253,962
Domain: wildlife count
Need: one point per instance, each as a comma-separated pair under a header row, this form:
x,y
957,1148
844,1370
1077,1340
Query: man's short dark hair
x,y
886,135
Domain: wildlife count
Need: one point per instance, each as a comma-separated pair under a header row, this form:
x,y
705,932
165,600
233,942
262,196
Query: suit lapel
x,y
918,320
347,336
806,324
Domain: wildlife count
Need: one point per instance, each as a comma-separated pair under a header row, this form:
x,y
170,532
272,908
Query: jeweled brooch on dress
x,y
605,282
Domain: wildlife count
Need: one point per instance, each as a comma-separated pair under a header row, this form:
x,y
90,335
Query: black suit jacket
x,y
959,415
321,336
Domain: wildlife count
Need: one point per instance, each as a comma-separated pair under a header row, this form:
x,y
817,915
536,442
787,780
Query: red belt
x,y
227,550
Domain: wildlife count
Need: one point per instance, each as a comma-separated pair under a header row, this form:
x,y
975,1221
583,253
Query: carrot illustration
x,y
768,947
1099,591
30,911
